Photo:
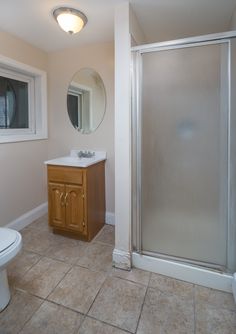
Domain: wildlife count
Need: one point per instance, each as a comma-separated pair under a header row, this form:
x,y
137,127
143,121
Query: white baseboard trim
x,y
110,218
121,259
27,218
195,275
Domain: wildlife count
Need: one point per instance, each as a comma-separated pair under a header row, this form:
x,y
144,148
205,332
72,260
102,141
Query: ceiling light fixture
x,y
69,19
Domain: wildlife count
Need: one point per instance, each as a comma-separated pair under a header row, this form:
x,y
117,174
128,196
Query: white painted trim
x,y
27,218
39,108
121,259
188,273
123,175
24,68
110,218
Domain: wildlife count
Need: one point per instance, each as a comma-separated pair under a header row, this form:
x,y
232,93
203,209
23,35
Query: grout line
x,y
78,329
150,279
59,260
30,251
107,323
127,279
91,269
70,268
21,276
103,243
141,310
52,302
96,295
108,274
143,303
33,313
64,306
98,234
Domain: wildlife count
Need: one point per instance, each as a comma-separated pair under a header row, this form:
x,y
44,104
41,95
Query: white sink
x,y
74,161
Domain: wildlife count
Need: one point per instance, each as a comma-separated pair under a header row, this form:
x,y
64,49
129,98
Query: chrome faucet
x,y
86,154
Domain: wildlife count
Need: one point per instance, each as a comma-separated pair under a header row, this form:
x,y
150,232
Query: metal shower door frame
x,y
136,106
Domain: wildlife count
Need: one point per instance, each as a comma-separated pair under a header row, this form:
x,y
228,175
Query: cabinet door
x,y
75,209
56,205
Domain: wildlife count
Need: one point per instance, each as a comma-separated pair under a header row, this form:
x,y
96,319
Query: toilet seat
x,y
10,245
7,238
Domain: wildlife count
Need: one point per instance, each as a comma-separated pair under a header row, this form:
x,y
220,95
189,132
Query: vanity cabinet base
x,y
76,200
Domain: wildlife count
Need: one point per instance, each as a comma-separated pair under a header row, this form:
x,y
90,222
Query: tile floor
x,y
65,286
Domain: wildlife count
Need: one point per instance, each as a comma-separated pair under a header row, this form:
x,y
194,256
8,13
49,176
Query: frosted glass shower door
x,y
184,153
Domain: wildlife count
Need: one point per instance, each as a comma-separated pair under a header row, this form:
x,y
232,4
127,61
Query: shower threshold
x,y
191,262
208,277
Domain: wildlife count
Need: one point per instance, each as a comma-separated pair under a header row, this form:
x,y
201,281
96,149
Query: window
x,y
74,105
23,112
79,105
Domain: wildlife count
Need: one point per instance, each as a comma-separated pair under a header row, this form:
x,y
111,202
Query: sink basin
x,y
74,161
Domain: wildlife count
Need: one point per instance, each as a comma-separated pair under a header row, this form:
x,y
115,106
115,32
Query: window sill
x,y
20,138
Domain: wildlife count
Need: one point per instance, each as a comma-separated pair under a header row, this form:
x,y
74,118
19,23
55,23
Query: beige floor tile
x,y
52,319
106,235
20,309
66,249
35,240
134,275
215,298
92,326
172,286
78,289
43,277
214,321
166,314
167,309
97,256
20,265
119,303
41,224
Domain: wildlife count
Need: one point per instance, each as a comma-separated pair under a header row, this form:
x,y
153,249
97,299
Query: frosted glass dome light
x,y
70,20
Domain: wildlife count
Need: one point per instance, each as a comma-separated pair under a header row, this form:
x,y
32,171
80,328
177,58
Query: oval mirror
x,y
86,100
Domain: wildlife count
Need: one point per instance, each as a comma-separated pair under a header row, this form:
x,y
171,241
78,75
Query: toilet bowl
x,y
10,245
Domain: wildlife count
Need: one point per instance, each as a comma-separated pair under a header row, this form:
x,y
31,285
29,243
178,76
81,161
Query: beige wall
x,y
62,135
22,173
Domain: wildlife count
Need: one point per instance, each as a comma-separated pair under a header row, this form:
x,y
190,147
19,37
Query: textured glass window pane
x,y
14,109
184,154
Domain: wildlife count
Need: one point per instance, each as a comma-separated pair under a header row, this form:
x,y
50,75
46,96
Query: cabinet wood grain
x,y
76,200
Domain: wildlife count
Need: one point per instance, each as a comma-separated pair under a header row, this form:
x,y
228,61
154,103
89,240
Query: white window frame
x,y
37,101
79,96
78,88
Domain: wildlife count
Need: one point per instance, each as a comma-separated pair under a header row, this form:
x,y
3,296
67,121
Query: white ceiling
x,y
160,20
164,20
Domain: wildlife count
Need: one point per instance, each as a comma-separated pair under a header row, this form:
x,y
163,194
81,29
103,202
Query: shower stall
x,y
184,158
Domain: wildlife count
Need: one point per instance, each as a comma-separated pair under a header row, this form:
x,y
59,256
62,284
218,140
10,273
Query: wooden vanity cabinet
x,y
76,200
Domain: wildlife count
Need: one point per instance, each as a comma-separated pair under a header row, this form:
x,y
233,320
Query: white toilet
x,y
10,245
